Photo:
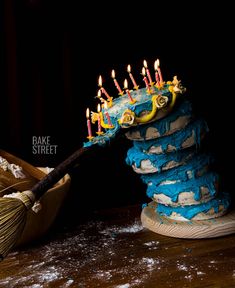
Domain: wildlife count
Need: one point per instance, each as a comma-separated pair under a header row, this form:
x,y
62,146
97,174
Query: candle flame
x,y
87,113
99,93
156,64
100,81
143,71
145,64
105,105
98,108
113,74
129,68
125,84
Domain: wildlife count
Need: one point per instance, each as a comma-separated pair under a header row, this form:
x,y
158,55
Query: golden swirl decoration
x,y
129,118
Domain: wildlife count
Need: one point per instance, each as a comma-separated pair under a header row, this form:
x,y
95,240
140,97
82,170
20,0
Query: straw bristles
x,y
13,215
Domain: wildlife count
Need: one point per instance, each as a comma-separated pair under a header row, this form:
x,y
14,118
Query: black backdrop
x,y
52,53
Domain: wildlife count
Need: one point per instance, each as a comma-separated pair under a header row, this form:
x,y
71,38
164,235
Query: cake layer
x,y
175,121
213,208
144,163
192,191
191,135
195,167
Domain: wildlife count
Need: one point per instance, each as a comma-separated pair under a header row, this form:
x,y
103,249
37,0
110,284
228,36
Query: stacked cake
x,y
166,149
178,174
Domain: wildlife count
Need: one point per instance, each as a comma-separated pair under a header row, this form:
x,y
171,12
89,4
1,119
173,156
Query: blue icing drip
x,y
163,125
177,138
190,211
122,103
142,107
134,156
173,190
195,164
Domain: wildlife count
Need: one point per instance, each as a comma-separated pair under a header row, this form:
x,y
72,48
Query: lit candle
x,y
159,70
148,73
145,79
99,120
132,101
102,88
116,83
99,96
107,114
132,78
88,124
156,73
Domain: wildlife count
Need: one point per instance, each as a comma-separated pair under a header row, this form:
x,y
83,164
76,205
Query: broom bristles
x,y
13,215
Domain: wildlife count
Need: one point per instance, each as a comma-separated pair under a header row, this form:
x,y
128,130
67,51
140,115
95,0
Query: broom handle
x,y
59,171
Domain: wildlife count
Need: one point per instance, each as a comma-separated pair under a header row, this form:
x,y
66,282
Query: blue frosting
x,y
180,173
134,156
176,139
192,161
122,103
163,126
190,211
192,185
105,138
143,101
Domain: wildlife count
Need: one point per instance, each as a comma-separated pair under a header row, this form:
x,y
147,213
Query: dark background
x,y
52,53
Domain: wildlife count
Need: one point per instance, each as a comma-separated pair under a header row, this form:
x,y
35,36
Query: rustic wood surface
x,y
210,228
112,249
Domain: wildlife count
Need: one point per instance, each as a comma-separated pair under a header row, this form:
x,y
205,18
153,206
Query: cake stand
x,y
211,228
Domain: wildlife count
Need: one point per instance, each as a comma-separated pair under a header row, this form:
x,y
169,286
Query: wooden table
x,y
112,249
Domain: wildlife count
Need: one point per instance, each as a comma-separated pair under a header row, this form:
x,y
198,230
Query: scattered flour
x,y
189,277
150,263
134,228
49,275
70,259
152,245
200,273
182,267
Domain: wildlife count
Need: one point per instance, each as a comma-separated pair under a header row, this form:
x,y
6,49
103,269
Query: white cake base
x,y
211,228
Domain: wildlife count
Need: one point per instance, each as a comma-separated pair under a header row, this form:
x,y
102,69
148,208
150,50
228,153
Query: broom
x,y
13,209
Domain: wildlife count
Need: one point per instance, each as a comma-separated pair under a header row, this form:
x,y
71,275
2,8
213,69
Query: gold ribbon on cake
x,y
175,87
129,118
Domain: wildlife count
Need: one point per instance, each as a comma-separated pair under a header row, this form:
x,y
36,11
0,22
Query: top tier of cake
x,y
134,108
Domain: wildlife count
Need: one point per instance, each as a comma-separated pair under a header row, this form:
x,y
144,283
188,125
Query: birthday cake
x,y
166,137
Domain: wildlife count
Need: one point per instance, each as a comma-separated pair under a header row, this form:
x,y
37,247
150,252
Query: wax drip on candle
x,y
102,89
145,80
89,124
148,73
132,101
116,83
132,78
